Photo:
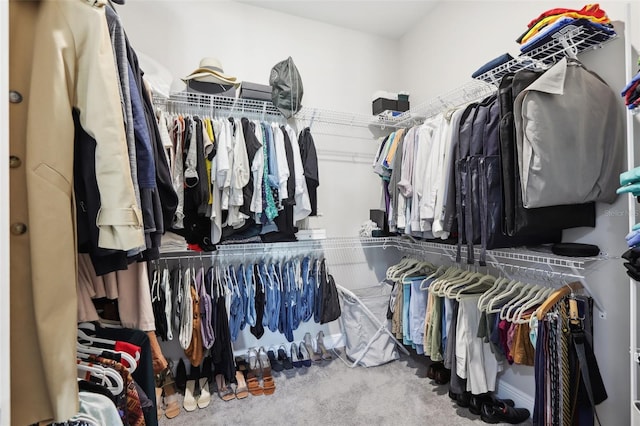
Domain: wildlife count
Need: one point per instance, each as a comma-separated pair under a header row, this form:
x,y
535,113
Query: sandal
x,y
268,384
253,382
166,381
308,345
324,353
295,357
159,403
242,391
284,359
275,363
224,391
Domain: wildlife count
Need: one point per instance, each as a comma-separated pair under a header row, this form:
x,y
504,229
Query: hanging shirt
x,y
310,161
283,168
239,177
230,142
257,169
177,135
424,146
302,208
446,190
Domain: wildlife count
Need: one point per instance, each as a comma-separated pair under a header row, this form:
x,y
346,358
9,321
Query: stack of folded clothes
x,y
630,183
591,18
631,92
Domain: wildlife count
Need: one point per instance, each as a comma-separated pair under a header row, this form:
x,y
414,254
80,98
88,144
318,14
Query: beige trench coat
x,y
60,58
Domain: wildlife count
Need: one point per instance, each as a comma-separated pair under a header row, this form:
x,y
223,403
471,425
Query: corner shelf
x,y
571,37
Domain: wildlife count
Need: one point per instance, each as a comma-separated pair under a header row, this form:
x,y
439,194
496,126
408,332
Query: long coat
x,y
60,58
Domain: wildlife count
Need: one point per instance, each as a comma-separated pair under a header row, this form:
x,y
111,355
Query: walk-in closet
x,y
319,212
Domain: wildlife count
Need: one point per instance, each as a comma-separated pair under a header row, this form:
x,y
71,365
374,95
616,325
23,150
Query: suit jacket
x,y
65,46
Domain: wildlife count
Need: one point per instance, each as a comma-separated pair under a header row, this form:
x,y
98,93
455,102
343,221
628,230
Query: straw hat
x,y
211,71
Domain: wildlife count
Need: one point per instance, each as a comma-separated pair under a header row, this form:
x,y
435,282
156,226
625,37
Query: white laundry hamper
x,y
365,327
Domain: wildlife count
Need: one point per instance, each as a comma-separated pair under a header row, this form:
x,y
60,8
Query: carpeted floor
x,y
330,393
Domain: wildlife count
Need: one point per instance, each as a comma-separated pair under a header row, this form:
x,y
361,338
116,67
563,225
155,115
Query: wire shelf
x,y
404,244
569,39
189,102
468,92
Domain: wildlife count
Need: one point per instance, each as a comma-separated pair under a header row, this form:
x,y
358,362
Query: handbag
x,y
330,301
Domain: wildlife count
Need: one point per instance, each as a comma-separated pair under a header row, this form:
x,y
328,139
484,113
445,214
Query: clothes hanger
x,y
495,289
391,271
92,339
482,281
115,384
465,277
418,267
441,269
536,300
519,302
523,290
469,280
555,297
511,288
450,273
88,350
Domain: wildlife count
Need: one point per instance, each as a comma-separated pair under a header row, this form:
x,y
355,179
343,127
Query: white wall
x,y
438,58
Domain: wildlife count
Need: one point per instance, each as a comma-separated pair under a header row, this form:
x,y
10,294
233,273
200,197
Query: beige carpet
x,y
330,393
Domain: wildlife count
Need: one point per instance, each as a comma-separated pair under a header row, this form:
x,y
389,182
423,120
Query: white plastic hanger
x,y
465,278
524,290
115,385
495,289
452,272
89,350
511,289
438,272
487,280
519,302
537,299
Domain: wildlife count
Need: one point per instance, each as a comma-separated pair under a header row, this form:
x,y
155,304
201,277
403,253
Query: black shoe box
x,y
382,104
380,218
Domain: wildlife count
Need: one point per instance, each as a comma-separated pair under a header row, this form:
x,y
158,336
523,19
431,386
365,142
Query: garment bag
x,y
518,220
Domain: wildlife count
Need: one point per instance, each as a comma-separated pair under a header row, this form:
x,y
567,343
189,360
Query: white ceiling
x,y
386,18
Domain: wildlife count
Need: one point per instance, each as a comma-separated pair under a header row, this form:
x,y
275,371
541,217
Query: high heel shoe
x,y
275,363
303,354
295,358
242,391
321,348
308,344
253,381
268,384
284,359
224,390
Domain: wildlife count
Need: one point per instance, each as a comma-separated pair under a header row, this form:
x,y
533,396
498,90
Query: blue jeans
x,y
308,290
236,311
250,286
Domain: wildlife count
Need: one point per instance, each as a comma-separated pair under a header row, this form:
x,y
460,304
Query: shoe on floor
x,y
477,401
503,413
